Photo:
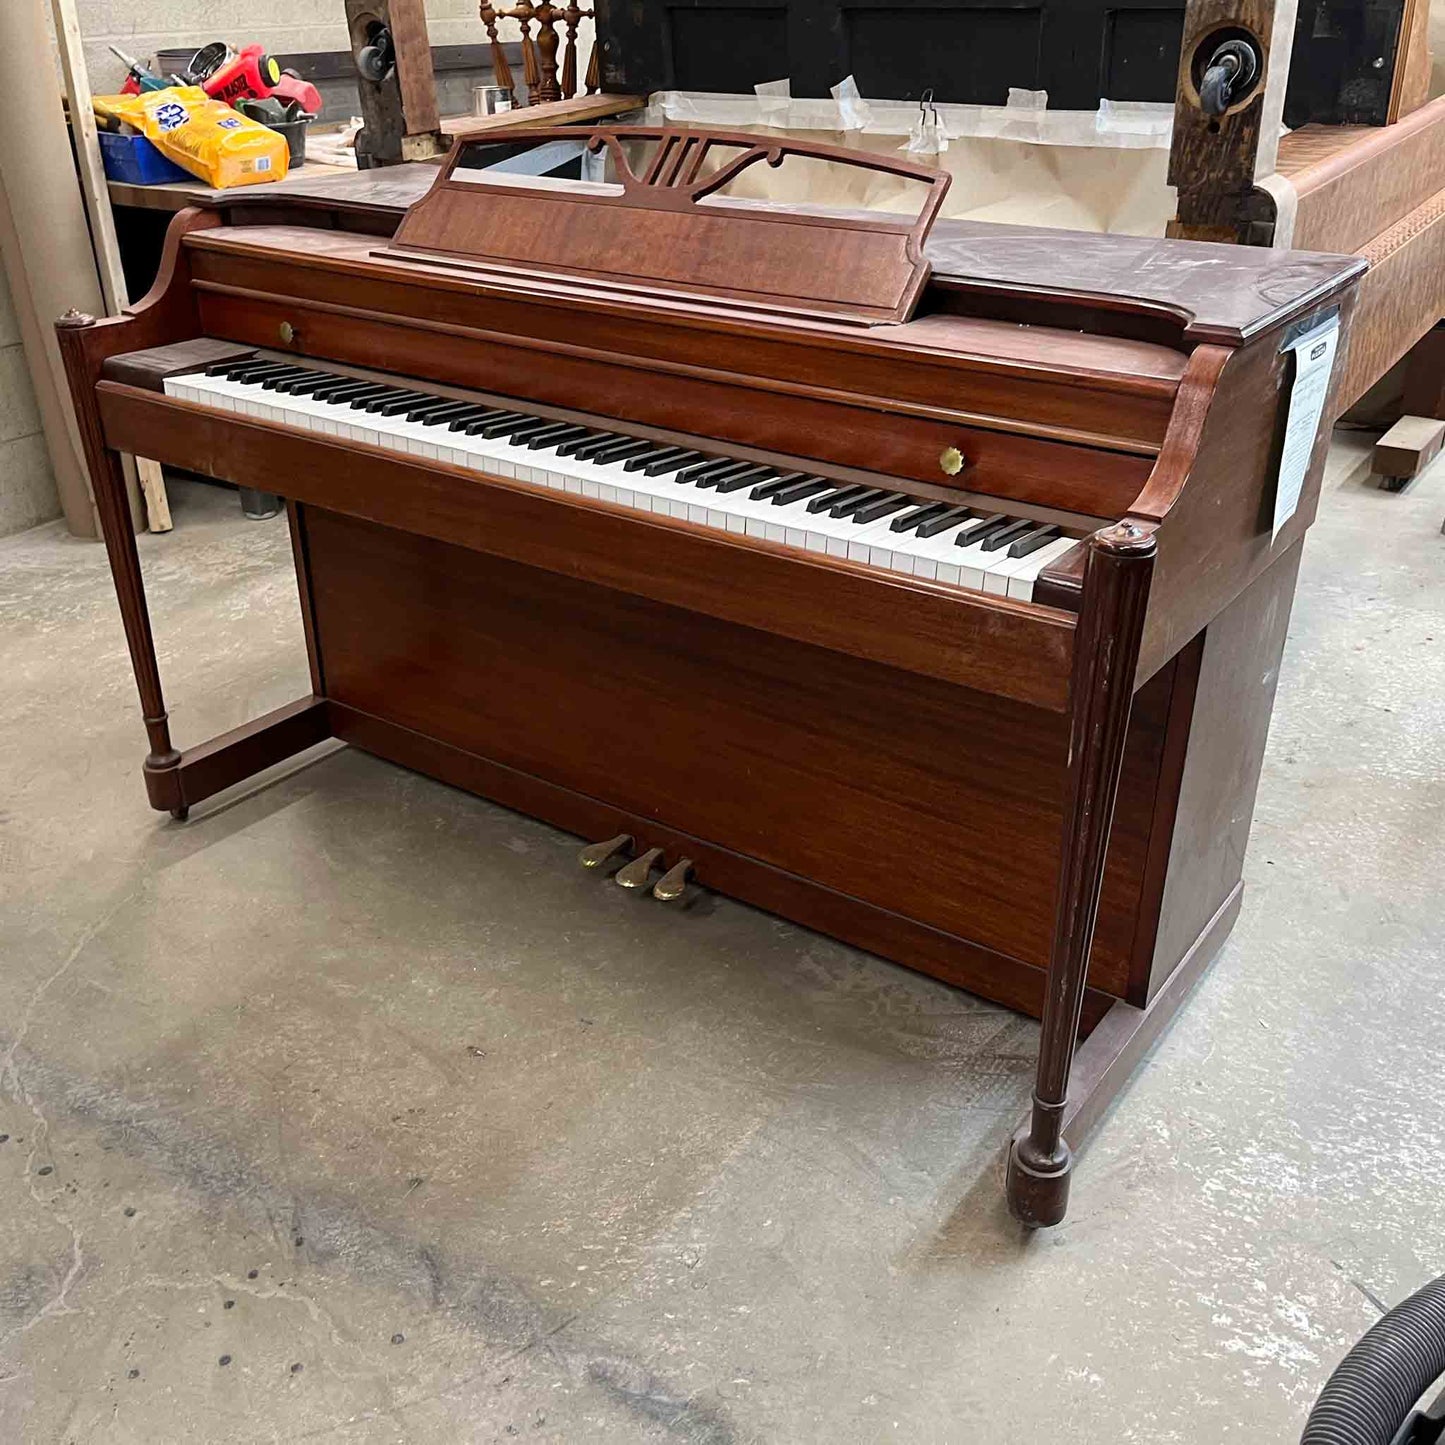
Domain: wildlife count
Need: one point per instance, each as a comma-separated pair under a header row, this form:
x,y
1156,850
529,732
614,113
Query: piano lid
x,y
648,214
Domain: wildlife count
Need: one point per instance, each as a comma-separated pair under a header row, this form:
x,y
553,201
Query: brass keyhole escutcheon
x,y
951,460
287,333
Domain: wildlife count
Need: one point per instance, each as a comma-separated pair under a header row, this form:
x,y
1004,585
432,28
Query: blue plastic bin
x,y
133,158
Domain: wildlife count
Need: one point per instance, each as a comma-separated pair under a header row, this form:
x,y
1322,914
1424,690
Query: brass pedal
x,y
594,855
673,883
635,874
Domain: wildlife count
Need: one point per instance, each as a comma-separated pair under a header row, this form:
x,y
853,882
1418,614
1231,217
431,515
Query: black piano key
x,y
518,434
592,439
744,474
425,409
252,366
563,431
620,451
689,475
657,454
250,363
833,496
281,379
883,507
343,390
438,415
909,520
307,384
1004,535
472,413
951,518
850,505
503,425
663,465
479,427
975,532
774,485
801,491
583,451
374,392
443,415
1034,540
398,402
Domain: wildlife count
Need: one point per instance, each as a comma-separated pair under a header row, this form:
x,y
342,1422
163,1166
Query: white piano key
x,y
1021,582
737,513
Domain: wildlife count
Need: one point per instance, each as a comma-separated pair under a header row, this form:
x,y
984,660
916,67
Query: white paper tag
x,y
1314,358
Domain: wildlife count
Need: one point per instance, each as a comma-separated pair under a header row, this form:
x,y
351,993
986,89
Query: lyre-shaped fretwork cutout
x,y
668,232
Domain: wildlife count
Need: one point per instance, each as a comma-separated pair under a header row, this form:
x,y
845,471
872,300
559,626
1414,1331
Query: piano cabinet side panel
x,y
1233,703
928,804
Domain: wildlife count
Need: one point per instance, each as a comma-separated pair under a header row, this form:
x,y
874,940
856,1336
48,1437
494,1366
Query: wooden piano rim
x,y
184,433
984,421
885,342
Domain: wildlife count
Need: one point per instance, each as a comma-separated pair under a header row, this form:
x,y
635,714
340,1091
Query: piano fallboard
x,y
1058,418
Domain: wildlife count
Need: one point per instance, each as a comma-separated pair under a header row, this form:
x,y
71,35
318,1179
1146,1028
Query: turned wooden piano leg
x,y
1101,691
107,482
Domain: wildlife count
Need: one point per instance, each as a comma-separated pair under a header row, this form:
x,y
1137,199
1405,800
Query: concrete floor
x,y
353,1111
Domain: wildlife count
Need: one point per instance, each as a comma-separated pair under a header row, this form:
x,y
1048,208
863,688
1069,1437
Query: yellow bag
x,y
204,136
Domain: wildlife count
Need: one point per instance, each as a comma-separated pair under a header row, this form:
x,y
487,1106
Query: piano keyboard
x,y
966,546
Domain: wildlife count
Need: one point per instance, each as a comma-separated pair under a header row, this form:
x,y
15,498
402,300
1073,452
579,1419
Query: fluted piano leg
x,y
1101,690
107,482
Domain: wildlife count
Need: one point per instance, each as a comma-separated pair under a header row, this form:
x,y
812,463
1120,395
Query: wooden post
x,y
1117,574
70,43
1218,162
107,481
1425,375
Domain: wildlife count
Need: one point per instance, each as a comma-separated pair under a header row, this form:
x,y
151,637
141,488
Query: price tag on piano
x,y
1314,359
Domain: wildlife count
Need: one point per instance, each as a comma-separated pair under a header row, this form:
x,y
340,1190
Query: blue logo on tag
x,y
234,123
171,114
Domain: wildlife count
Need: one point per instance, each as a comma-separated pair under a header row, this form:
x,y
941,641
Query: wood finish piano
x,y
923,592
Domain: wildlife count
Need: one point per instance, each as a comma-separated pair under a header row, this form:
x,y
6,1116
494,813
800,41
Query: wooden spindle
x,y
501,71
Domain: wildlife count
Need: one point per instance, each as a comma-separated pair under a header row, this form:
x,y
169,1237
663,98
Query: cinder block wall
x,y
27,489
141,27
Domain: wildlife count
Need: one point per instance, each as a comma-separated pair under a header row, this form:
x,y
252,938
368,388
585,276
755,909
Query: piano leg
x,y
107,482
1101,691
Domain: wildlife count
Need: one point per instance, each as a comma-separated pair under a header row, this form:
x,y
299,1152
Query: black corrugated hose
x,y
1375,1387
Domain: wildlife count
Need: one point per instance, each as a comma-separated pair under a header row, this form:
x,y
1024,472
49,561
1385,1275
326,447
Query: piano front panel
x,y
829,407
994,643
928,800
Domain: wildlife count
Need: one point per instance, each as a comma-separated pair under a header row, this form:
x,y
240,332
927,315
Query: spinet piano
x,y
920,589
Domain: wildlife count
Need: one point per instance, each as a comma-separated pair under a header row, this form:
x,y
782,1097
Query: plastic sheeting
x,y
1019,163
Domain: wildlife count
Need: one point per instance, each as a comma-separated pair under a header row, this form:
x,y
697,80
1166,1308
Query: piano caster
x,y
635,874
594,855
181,814
673,883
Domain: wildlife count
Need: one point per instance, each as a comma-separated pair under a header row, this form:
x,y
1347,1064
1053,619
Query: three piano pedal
x,y
638,872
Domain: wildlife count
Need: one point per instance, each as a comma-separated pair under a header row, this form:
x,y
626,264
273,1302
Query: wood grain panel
x,y
1010,648
1401,297
1046,378
1354,182
932,801
836,430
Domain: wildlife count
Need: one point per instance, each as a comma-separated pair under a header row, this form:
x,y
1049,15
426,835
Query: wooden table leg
x,y
1101,692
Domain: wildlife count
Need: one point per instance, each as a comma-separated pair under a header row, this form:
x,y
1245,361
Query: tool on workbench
x,y
292,87
137,77
285,117
229,75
